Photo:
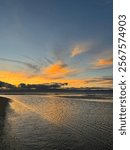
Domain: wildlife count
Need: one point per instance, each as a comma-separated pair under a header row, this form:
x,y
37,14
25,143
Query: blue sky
x,y
42,33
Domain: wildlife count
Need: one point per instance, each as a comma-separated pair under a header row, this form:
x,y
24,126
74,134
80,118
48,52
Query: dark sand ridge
x,y
4,102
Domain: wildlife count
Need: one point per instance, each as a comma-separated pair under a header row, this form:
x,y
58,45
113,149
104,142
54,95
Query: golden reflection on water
x,y
20,107
56,112
52,110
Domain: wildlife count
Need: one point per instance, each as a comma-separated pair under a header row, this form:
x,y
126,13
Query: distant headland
x,y
22,88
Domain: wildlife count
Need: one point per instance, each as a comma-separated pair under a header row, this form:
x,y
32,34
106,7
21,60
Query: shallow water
x,y
43,122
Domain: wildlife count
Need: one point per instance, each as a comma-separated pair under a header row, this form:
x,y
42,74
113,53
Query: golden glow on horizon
x,y
19,77
12,77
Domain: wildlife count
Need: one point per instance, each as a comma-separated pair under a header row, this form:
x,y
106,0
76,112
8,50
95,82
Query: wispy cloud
x,y
100,81
102,62
33,67
79,49
48,60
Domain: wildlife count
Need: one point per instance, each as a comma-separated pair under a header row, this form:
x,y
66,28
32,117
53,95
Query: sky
x,y
45,41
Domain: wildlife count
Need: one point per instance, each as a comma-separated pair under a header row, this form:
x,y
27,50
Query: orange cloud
x,y
103,63
57,70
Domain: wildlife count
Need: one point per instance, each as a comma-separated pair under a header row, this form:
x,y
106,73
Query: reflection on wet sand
x,y
20,107
52,110
55,112
3,107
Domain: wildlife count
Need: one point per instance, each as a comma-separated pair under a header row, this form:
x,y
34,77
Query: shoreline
x,y
4,102
87,97
67,96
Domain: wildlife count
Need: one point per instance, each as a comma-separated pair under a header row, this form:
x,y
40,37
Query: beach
x,y
51,122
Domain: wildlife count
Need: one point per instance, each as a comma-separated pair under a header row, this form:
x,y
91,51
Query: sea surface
x,y
57,122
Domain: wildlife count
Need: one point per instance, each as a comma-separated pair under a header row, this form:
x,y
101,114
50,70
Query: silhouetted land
x,y
6,88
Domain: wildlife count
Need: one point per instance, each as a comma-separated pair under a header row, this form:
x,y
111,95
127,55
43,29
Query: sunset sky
x,y
44,41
